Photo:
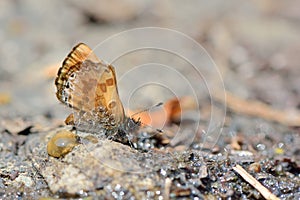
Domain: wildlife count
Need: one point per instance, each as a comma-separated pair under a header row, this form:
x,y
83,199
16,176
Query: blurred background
x,y
255,44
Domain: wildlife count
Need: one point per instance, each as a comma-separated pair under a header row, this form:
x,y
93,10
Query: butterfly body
x,y
88,85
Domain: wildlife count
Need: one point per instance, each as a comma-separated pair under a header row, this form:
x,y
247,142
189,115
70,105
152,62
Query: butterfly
x,y
89,86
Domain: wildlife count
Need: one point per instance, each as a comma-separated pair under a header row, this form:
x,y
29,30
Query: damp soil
x,y
148,168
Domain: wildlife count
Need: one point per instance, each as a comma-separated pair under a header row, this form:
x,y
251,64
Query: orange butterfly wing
x,y
107,94
70,66
89,86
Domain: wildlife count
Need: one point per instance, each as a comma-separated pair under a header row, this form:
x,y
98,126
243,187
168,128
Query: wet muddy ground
x,y
255,46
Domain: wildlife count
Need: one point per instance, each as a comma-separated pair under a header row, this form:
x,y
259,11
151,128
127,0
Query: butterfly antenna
x,y
146,125
147,109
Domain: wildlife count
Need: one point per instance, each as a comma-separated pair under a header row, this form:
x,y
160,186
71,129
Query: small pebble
x,y
62,143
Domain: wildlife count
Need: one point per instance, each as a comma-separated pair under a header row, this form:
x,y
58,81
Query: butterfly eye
x,y
132,125
62,143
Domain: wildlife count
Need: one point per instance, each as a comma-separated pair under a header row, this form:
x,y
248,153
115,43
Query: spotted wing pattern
x,y
89,86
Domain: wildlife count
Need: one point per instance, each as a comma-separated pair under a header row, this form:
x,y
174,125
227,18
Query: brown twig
x,y
257,185
168,183
258,109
